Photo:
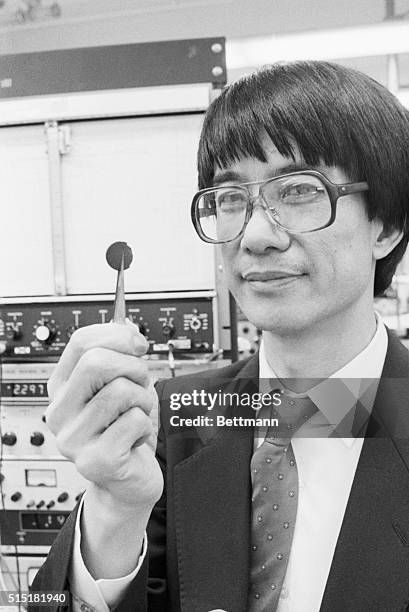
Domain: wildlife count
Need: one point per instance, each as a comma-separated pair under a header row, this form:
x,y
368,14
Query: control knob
x,y
37,438
9,438
45,334
62,497
13,331
4,347
195,323
168,329
16,496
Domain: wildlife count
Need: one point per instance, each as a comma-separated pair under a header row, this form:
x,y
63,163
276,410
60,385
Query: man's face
x,y
289,282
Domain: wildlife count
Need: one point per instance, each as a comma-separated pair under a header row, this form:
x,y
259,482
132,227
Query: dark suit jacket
x,y
199,534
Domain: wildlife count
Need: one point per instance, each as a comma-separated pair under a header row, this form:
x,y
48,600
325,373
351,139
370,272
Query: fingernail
x,y
140,342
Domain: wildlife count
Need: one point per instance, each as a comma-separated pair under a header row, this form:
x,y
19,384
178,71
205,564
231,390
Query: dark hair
x,y
335,115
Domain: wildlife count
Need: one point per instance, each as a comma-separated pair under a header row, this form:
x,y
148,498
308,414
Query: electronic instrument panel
x,y
41,330
38,486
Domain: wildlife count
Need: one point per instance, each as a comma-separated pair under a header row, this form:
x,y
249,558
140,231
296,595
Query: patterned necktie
x,y
274,504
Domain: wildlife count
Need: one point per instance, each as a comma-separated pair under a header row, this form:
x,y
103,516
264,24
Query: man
x,y
303,171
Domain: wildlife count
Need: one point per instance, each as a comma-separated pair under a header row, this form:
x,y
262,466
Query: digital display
x,y
41,478
24,389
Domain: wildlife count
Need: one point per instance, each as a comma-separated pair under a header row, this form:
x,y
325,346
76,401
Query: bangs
x,y
289,108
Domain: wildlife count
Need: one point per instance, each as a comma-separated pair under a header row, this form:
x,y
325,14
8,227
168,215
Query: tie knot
x,y
291,414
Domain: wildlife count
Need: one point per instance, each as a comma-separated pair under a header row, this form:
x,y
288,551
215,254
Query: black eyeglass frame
x,y
335,191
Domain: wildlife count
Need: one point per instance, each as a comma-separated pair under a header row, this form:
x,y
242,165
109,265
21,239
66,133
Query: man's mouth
x,y
270,275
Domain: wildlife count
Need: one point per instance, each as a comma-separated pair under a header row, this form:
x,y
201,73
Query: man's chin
x,y
274,315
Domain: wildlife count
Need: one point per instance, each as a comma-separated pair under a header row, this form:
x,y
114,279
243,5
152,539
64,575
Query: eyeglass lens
x,y
298,203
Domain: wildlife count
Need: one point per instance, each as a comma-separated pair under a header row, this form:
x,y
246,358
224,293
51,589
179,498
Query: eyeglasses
x,y
298,202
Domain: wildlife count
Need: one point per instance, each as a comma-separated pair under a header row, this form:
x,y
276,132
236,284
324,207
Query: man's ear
x,y
386,241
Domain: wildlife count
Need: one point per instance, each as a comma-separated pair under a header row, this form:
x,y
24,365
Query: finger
x,y
154,413
121,338
96,368
104,408
108,456
131,429
113,400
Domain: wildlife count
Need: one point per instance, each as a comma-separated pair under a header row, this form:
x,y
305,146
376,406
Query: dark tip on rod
x,y
114,255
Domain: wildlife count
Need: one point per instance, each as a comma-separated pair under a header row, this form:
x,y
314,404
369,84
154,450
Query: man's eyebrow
x,y
227,176
230,176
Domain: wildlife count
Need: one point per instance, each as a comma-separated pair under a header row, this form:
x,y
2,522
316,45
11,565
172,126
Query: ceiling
x,y
108,22
234,17
69,10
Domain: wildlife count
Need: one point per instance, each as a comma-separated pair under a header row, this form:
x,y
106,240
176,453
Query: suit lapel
x,y
214,517
371,560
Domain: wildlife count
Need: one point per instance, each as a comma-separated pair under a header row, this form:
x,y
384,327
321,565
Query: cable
x,y
171,358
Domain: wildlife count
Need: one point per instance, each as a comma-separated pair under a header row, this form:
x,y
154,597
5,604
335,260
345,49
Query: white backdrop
x,y
122,179
133,180
25,228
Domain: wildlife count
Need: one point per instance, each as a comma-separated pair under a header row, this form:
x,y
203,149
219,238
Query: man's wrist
x,y
110,510
112,535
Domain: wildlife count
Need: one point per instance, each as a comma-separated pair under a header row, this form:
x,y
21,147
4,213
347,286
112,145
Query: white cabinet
x,y
26,263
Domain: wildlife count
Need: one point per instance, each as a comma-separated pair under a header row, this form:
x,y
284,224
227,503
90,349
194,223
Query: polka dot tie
x,y
274,505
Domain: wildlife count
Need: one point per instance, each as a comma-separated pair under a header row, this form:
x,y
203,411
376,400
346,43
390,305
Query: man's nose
x,y
262,232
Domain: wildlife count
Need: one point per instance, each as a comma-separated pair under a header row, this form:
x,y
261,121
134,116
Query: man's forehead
x,y
248,168
275,161
251,169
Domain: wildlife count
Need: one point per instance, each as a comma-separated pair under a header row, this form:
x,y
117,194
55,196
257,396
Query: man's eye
x,y
304,192
230,200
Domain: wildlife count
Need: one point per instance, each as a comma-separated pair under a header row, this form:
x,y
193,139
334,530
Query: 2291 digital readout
x,y
24,389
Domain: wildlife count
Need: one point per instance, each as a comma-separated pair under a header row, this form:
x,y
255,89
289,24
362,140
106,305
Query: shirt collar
x,y
337,396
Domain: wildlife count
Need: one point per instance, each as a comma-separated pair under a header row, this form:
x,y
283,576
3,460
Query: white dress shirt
x,y
99,595
326,469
